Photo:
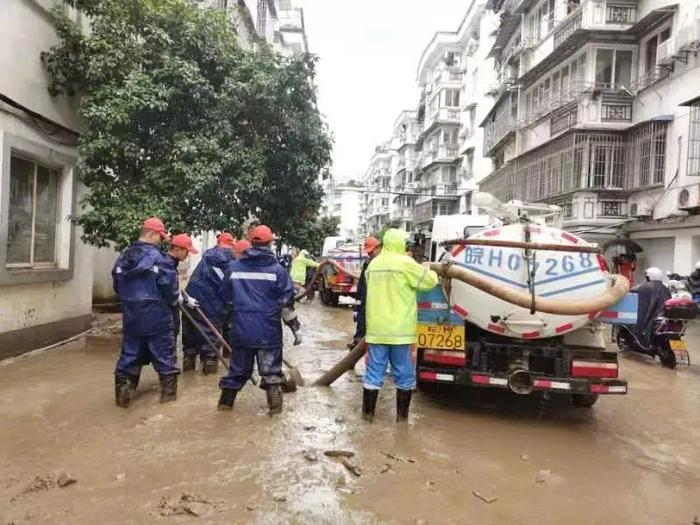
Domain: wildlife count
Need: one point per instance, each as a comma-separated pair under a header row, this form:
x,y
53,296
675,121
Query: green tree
x,y
311,235
183,123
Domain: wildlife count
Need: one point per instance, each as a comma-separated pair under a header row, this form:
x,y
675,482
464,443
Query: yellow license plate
x,y
441,336
677,345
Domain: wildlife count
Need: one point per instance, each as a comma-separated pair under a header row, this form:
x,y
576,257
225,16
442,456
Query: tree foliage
x,y
183,123
312,234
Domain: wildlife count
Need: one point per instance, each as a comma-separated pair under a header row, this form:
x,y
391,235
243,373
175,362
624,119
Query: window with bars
x,y
610,209
694,141
262,18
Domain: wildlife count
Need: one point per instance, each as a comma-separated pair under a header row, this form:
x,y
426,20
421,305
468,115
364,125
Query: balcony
x,y
652,76
406,164
452,75
429,209
496,132
439,191
445,153
442,116
569,33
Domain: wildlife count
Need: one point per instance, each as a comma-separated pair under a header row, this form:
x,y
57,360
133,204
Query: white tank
x,y
559,275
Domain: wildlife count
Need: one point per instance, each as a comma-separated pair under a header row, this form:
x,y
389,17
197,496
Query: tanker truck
x,y
528,312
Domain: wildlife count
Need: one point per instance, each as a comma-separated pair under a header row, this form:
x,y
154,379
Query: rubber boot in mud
x,y
189,362
122,391
209,366
134,380
168,388
369,403
274,399
228,396
403,402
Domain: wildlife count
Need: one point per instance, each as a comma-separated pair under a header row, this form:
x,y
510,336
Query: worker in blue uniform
x,y
256,287
204,287
148,294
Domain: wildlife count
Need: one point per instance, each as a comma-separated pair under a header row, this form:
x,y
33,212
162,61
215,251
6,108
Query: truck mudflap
x,y
564,385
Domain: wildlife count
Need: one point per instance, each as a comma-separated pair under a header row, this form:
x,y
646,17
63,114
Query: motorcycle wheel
x,y
667,357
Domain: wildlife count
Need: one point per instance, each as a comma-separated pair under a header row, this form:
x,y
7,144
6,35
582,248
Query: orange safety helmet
x,y
261,234
371,244
225,240
156,225
184,241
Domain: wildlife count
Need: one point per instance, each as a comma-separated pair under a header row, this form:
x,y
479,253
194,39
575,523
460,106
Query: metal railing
x,y
620,14
495,131
616,112
568,28
446,153
649,77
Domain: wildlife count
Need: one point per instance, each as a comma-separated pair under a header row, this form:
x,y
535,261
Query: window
x,y
452,98
694,141
665,35
450,136
262,18
613,67
33,209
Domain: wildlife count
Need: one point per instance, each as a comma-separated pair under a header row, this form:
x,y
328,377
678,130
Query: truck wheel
x,y
334,298
326,297
584,400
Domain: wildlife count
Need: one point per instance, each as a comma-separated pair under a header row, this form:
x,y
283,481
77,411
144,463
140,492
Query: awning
x,y
652,19
692,102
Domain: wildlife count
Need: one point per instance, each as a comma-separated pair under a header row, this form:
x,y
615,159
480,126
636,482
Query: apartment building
x,y
404,177
376,206
45,270
342,200
596,110
439,158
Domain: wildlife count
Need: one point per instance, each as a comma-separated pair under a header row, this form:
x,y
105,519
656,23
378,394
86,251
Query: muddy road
x,y
632,459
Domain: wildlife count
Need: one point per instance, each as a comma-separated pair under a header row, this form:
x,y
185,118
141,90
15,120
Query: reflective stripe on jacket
x,y
256,287
393,278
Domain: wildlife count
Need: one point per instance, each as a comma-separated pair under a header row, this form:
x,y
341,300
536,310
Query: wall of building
x,y
39,306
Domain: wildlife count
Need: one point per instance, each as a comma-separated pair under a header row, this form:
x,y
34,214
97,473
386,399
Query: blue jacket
x,y
256,287
147,288
170,267
206,281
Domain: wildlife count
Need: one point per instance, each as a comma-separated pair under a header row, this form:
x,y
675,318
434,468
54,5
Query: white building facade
x,y
45,270
438,150
343,201
596,111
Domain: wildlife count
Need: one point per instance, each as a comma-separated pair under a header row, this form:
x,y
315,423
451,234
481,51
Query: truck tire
x,y
334,298
326,296
584,400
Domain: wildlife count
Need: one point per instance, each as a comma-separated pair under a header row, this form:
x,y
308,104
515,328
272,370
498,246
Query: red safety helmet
x,y
184,241
225,240
371,244
156,225
261,234
241,246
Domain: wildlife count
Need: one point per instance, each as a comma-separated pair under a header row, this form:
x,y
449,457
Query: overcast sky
x,y
369,51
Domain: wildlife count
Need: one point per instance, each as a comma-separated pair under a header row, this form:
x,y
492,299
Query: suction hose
x,y
608,298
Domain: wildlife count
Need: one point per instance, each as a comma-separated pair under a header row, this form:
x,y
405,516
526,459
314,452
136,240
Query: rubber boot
x,y
122,391
189,362
403,401
228,396
274,399
168,388
209,366
369,403
134,380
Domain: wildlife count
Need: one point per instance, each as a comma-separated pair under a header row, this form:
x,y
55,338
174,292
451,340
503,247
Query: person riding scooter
x,y
652,295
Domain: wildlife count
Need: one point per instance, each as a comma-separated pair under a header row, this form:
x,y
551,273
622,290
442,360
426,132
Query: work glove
x,y
188,300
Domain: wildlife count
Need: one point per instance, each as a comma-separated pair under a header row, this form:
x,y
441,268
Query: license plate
x,y
441,336
677,345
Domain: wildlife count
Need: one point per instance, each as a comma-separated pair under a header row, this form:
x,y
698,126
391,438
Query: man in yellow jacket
x,y
299,265
393,278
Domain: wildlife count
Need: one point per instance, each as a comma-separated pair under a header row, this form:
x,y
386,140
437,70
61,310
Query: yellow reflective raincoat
x,y
393,278
299,265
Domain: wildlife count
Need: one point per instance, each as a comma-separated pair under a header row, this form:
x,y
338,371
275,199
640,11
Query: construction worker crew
x,y
148,292
204,287
240,247
256,287
299,265
393,278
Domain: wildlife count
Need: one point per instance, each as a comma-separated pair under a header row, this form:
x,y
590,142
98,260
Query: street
x,y
630,459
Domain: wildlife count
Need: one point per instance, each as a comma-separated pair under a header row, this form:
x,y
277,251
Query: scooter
x,y
667,333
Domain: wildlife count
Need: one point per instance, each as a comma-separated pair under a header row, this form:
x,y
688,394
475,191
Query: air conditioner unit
x,y
689,199
665,51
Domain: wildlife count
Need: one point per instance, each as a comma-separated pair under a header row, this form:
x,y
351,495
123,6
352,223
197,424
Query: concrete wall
x,y
39,307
